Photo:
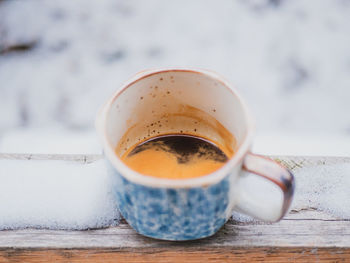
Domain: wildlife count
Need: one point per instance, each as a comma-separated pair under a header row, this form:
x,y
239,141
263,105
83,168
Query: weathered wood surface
x,y
304,235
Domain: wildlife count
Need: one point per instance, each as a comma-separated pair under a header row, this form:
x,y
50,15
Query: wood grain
x,y
188,255
304,235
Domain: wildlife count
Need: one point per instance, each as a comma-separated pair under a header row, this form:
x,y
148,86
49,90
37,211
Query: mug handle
x,y
277,174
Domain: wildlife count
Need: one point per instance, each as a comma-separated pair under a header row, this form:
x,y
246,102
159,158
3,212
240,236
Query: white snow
x,y
56,195
68,195
239,217
50,140
323,187
326,188
302,144
290,59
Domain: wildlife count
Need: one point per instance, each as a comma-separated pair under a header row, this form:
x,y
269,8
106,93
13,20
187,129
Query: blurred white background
x,y
60,60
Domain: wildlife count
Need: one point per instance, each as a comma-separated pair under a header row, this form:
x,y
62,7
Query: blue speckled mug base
x,y
173,213
187,238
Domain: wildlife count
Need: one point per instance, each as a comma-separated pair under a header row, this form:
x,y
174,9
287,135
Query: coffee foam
x,y
182,119
176,156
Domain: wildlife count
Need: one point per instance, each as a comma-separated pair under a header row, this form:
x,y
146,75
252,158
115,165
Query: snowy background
x,y
60,60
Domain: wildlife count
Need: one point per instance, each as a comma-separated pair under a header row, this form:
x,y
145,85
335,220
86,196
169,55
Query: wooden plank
x,y
179,254
286,233
305,235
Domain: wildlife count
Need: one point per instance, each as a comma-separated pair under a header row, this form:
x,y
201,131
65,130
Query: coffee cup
x,y
191,208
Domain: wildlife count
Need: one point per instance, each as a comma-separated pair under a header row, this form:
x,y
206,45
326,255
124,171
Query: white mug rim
x,y
146,180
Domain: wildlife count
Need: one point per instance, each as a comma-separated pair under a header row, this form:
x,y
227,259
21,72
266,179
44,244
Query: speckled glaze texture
x,y
170,213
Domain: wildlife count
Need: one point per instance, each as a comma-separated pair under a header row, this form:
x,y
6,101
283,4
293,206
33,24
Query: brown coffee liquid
x,y
175,156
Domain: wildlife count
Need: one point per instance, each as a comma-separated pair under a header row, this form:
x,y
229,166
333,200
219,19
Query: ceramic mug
x,y
186,209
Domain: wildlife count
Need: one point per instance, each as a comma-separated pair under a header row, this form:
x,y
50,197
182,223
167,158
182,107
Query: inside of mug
x,y
176,102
